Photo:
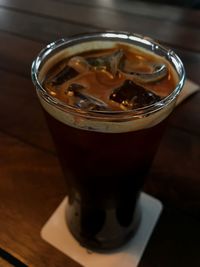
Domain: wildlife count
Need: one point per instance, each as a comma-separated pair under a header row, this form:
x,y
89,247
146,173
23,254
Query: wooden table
x,y
31,181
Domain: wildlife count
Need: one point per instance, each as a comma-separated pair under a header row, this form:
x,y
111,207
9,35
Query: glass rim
x,y
126,37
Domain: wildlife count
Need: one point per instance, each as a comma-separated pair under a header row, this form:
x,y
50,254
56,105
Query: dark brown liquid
x,y
105,173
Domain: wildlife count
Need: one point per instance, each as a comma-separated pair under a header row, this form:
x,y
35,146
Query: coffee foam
x,y
77,120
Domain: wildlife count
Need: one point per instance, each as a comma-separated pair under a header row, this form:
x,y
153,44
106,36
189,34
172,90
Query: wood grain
x,y
174,177
17,53
31,182
21,115
186,116
48,29
31,187
174,242
150,9
166,31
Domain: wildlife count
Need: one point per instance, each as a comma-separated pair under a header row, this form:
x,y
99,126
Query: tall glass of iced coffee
x,y
106,97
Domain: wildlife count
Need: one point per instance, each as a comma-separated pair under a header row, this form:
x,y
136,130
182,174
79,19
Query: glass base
x,y
102,230
56,233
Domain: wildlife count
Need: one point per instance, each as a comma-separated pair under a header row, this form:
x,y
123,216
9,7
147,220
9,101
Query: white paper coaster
x,y
56,232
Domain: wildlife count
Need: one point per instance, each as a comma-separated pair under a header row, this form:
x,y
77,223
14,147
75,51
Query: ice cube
x,y
62,75
132,95
84,100
108,62
156,71
79,64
